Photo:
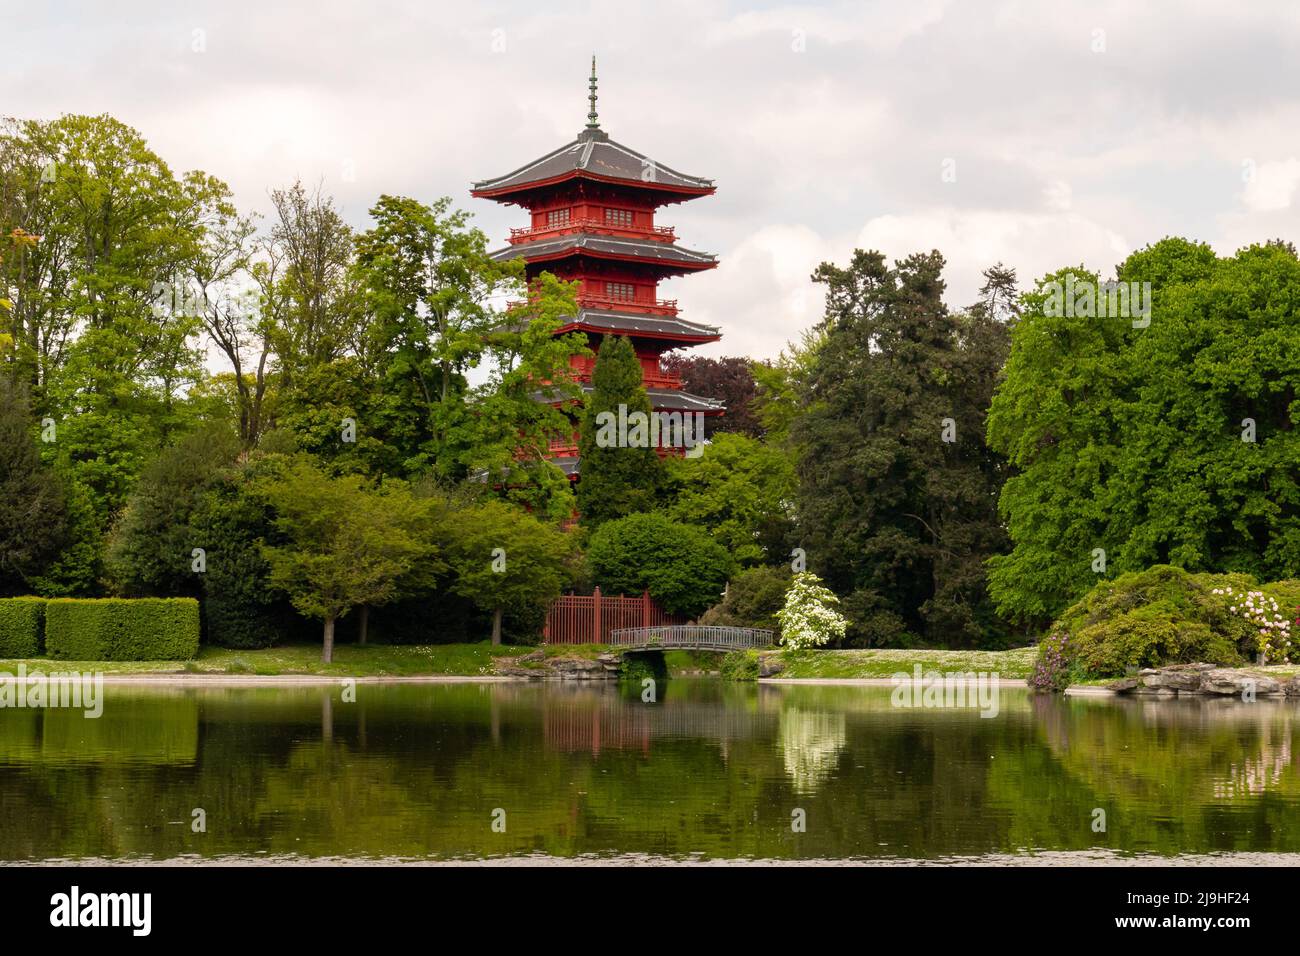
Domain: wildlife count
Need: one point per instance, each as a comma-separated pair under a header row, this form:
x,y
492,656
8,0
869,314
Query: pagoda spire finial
x,y
592,121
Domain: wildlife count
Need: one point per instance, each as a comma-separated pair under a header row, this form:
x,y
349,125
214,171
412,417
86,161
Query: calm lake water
x,y
713,771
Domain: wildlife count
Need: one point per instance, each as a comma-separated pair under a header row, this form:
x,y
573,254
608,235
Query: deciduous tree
x,y
679,564
503,559
348,542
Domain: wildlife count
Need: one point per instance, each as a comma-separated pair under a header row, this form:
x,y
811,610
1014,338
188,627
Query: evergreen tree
x,y
32,509
151,551
621,477
897,490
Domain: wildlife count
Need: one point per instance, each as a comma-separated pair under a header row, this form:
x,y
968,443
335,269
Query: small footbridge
x,y
689,637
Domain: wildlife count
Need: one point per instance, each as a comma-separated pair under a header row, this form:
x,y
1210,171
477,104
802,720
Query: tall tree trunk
x,y
496,627
365,622
327,652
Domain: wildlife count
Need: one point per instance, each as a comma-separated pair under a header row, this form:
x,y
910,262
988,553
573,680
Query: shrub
x,y
1163,615
1287,594
635,669
122,629
753,597
1264,615
439,617
240,609
681,566
1052,669
22,623
243,626
739,665
809,618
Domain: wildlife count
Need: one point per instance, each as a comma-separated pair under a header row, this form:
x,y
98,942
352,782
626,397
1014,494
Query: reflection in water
x,y
712,770
1255,774
811,741
592,718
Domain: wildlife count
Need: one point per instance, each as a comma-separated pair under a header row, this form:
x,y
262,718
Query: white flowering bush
x,y
1261,612
809,618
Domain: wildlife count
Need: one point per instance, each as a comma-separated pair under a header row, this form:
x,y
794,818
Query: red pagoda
x,y
593,203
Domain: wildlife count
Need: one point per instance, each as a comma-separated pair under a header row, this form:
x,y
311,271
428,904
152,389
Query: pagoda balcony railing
x,y
569,449
588,301
529,233
656,379
661,379
649,306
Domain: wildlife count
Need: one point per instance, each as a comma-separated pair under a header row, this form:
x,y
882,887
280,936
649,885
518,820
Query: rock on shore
x,y
537,666
1205,679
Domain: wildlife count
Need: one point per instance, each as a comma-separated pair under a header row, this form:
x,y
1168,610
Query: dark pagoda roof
x,y
644,324
675,400
661,400
607,247
593,155
640,323
567,465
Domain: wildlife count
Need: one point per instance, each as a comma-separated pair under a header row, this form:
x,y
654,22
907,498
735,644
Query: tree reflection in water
x,y
713,768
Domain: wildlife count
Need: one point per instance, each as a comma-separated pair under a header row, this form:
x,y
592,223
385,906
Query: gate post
x,y
595,603
645,608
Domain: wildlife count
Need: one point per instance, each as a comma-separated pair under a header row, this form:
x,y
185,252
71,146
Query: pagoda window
x,y
556,218
624,291
621,218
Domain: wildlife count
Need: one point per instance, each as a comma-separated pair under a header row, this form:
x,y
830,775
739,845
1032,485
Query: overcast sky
x,y
1070,132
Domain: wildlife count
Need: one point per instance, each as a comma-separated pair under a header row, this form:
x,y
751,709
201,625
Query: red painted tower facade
x,y
593,205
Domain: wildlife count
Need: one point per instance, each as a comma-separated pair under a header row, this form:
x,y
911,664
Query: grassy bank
x,y
1013,664
475,660
350,660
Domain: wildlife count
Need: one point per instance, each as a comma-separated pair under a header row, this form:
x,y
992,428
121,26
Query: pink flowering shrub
x,y
1052,668
1270,630
1166,615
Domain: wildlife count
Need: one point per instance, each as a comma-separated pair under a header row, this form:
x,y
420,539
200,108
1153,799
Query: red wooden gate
x,y
588,618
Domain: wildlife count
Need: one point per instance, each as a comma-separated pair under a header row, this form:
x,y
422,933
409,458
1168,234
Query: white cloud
x,y
974,240
1065,156
760,294
1270,186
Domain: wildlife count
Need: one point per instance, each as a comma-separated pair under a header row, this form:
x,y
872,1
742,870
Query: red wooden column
x,y
595,603
645,608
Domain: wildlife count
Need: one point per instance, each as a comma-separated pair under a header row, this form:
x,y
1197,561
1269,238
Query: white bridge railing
x,y
691,636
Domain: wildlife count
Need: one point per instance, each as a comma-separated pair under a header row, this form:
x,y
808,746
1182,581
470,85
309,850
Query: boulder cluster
x,y
537,666
1206,679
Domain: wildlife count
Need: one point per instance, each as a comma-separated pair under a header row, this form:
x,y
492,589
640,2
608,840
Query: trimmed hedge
x,y
122,629
21,626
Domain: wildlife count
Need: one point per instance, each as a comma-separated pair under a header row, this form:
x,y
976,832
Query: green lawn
x,y
350,660
475,660
1013,664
